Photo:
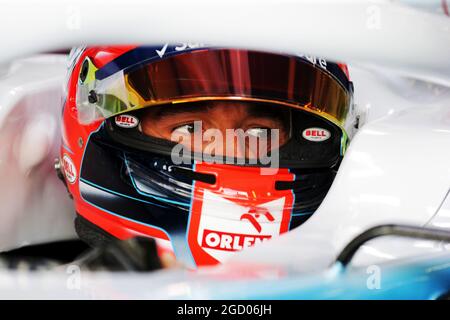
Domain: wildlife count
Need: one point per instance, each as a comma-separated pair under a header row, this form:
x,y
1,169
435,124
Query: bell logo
x,y
126,121
70,171
316,134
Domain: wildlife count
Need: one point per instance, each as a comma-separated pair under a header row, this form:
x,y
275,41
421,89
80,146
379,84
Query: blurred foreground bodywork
x,y
396,171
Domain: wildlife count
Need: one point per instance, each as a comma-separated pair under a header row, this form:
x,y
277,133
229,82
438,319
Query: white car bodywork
x,y
35,206
396,170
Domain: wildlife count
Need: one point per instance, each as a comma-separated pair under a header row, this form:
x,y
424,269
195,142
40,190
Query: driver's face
x,y
178,120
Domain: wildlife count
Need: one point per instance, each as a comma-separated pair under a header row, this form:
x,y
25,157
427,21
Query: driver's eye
x,y
259,132
184,129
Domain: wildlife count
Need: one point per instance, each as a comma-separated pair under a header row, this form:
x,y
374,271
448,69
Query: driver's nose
x,y
223,121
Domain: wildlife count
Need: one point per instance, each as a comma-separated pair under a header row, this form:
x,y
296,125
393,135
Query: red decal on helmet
x,y
254,214
242,209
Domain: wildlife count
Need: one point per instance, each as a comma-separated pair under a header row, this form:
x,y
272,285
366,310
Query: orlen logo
x,y
316,134
70,171
126,121
254,214
227,241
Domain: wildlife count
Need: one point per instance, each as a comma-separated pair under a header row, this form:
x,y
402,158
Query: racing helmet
x,y
126,183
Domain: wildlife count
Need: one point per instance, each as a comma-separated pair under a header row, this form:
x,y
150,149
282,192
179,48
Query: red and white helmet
x,y
125,183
